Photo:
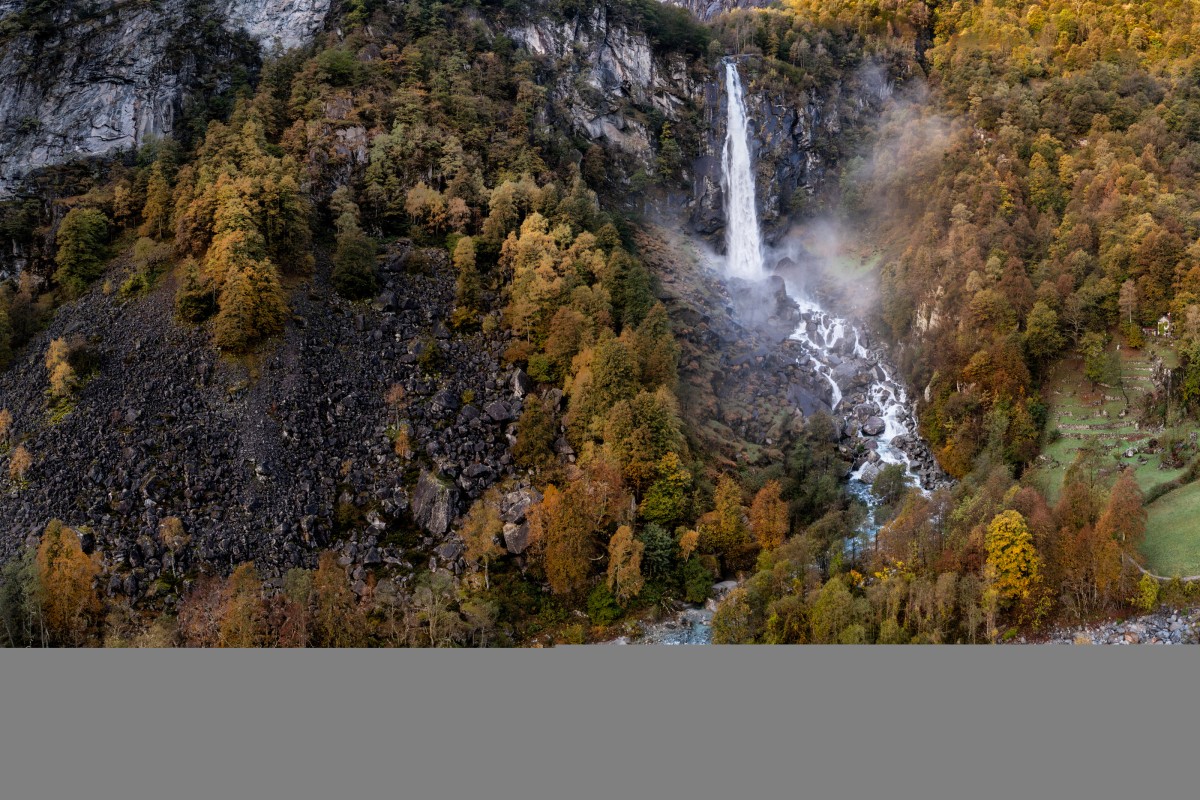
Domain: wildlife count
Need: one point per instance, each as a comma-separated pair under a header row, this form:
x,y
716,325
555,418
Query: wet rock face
x,y
799,141
92,79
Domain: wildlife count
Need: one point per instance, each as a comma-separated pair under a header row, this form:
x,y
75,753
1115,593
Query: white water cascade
x,y
833,344
863,397
744,246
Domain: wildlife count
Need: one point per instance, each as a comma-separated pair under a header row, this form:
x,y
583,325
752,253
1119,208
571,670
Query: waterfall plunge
x,y
744,249
830,346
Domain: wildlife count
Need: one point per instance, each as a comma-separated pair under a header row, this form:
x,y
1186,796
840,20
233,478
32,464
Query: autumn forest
x,y
446,291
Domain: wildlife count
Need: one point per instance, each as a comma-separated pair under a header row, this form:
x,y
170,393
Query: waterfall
x,y
884,401
744,247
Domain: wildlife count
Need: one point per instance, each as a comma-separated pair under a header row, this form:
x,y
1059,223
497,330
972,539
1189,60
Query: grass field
x,y
1103,417
1106,418
1172,545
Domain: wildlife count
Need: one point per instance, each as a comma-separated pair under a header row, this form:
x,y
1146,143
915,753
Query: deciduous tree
x,y
564,539
1010,552
1124,517
481,531
625,565
339,620
244,615
66,576
769,516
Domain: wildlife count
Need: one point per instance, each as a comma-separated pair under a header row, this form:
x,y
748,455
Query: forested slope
x,y
404,346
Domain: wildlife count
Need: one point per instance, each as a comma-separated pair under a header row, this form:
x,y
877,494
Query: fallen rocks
x,y
516,537
1164,627
273,467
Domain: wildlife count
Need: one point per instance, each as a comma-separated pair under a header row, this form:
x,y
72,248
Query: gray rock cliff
x,y
606,83
91,79
707,9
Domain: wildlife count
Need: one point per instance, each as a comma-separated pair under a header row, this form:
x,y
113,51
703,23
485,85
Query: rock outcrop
x,y
605,81
91,79
603,73
707,9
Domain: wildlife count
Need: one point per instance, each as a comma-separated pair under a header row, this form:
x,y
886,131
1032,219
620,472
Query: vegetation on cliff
x,y
1038,199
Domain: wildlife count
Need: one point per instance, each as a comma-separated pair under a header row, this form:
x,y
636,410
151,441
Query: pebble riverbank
x,y
1164,627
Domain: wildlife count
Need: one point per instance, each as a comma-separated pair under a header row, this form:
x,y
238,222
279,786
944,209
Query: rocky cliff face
x,y
603,79
91,79
800,137
606,83
707,9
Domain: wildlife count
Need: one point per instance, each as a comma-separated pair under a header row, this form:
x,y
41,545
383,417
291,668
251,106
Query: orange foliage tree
x,y
769,516
244,615
70,604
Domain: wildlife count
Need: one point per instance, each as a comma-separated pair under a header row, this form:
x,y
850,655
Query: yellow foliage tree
x,y
723,530
480,530
688,541
625,565
62,376
1011,554
244,618
19,463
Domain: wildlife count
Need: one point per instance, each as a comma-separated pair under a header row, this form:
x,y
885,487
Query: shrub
x,y
572,634
150,260
697,580
1146,598
602,606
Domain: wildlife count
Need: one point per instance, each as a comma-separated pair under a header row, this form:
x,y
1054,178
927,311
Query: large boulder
x,y
520,384
434,503
869,474
515,504
499,411
853,374
873,426
516,537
